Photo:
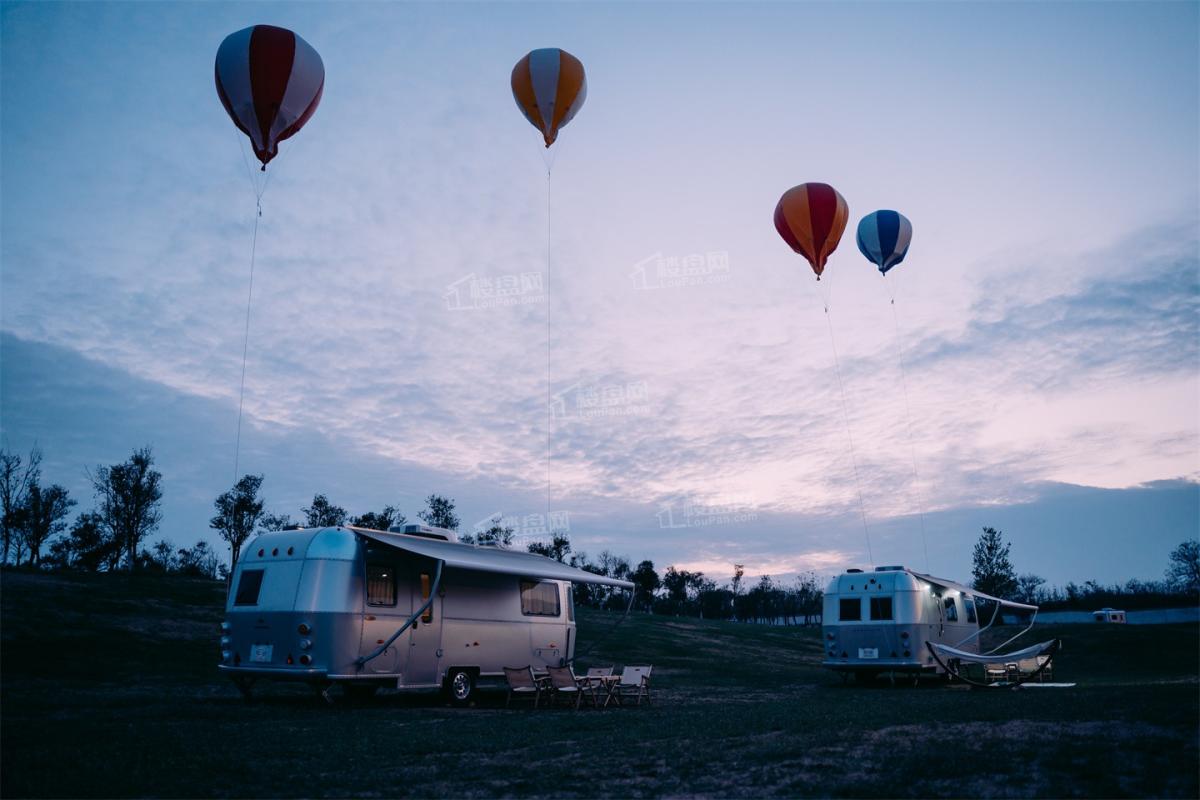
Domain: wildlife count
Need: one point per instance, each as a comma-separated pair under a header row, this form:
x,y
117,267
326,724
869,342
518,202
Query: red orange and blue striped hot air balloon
x,y
811,218
270,82
549,86
883,237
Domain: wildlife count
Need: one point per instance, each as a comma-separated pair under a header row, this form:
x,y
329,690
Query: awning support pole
x,y
437,582
1028,627
979,632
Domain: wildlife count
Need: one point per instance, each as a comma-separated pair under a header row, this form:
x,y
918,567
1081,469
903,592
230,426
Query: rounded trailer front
x,y
876,622
295,606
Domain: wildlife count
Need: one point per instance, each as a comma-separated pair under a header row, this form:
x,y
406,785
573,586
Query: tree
x,y
161,556
238,513
380,521
199,561
1029,588
557,548
129,496
645,583
91,546
993,571
323,514
14,489
497,536
735,586
276,522
1183,569
42,517
439,512
810,597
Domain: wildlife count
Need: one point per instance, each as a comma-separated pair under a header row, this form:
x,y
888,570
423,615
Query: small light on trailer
x,y
275,552
260,552
291,550
829,636
903,634
226,641
290,660
907,653
225,654
306,644
225,626
304,629
305,659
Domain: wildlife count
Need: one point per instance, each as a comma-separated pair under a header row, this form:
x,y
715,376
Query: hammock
x,y
954,659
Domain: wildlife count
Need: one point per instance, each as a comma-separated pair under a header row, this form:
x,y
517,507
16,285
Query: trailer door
x,y
385,610
425,634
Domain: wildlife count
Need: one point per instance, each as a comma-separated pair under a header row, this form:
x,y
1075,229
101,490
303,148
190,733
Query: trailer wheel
x,y
460,686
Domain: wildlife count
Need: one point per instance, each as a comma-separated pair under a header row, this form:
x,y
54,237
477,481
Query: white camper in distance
x,y
410,609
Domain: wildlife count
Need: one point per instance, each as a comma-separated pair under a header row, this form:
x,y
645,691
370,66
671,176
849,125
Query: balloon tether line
x,y
549,331
237,448
258,194
912,453
550,385
837,368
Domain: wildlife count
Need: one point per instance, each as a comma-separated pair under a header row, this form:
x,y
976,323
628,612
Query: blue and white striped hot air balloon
x,y
883,237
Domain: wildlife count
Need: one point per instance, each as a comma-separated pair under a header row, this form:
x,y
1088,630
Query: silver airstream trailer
x,y
411,609
880,621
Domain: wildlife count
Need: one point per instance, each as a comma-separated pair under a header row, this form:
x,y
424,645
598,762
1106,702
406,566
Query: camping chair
x,y
521,683
564,684
1030,666
635,683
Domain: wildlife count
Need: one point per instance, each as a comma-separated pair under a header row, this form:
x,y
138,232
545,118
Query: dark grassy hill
x,y
109,689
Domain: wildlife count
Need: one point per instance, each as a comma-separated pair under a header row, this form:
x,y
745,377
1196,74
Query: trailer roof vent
x,y
426,531
853,571
890,569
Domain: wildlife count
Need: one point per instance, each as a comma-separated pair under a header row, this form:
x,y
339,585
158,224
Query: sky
x,y
1038,371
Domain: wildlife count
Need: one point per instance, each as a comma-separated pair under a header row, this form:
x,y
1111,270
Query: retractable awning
x,y
489,559
945,584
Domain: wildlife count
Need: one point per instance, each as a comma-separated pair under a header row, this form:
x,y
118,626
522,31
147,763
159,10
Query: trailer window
x,y
951,610
427,614
849,610
381,585
248,587
539,599
969,604
881,608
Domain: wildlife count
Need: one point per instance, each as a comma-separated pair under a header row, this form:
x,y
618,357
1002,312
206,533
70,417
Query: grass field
x,y
109,689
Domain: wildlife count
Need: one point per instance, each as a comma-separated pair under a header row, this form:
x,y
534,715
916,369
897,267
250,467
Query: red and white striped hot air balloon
x,y
549,86
270,82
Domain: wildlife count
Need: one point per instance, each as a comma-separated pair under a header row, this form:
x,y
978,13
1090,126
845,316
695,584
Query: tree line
x,y
127,502
993,573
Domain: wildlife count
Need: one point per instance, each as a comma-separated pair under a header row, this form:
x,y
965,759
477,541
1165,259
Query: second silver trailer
x,y
407,609
879,621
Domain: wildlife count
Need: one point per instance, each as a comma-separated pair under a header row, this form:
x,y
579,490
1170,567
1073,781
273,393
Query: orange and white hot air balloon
x,y
811,218
549,86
